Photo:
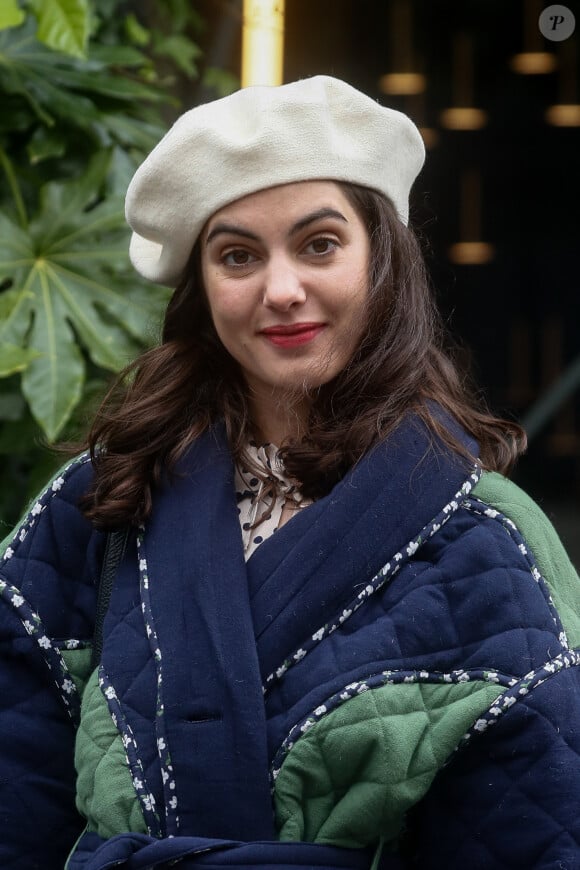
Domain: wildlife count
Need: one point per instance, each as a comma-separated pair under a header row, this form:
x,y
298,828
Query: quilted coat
x,y
391,680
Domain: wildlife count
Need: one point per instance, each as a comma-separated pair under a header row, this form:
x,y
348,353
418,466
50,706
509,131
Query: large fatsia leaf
x,y
14,359
72,295
53,382
63,24
11,15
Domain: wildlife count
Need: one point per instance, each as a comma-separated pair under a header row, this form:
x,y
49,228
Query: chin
x,y
302,385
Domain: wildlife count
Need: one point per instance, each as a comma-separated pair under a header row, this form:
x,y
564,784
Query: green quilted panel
x,y
351,778
548,551
105,793
78,661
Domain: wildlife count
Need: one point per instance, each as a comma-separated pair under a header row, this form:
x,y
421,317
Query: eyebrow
x,y
236,230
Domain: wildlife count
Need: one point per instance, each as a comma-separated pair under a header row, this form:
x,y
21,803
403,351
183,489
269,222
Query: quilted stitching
x,y
35,628
125,629
377,681
448,609
513,531
317,803
10,544
54,557
352,777
553,560
374,585
526,769
39,822
523,688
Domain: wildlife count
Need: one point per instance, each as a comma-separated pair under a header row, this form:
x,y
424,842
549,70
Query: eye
x,y
237,257
321,246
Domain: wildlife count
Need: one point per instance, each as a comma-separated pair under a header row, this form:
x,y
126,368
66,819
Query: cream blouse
x,y
253,501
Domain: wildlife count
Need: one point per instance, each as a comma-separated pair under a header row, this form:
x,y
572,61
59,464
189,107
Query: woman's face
x,y
286,276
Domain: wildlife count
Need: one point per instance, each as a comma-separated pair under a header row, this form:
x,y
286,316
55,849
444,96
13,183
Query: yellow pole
x,y
263,42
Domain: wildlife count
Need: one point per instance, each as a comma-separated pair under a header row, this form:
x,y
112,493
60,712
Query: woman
x,y
337,635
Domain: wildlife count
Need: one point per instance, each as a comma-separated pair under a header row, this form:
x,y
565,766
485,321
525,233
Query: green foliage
x,y
11,15
221,81
85,90
70,294
63,24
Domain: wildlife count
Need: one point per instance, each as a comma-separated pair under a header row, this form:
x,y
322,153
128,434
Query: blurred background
x,y
496,206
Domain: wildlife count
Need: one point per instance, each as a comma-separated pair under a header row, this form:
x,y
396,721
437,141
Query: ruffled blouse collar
x,y
261,502
266,457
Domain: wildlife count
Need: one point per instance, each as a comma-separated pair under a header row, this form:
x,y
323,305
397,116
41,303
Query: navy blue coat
x,y
224,678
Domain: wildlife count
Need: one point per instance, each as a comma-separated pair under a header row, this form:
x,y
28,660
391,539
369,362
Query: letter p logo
x,y
557,23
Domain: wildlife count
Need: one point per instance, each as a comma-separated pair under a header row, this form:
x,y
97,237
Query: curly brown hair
x,y
404,361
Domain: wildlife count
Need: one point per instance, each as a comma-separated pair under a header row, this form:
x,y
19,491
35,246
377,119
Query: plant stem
x,y
13,184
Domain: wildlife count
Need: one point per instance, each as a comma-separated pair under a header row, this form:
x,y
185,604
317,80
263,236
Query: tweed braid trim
x,y
145,797
167,773
376,681
514,691
50,652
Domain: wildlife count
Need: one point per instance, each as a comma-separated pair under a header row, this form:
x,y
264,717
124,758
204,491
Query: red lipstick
x,y
292,334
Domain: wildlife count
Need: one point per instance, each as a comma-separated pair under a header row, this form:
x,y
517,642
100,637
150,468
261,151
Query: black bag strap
x,y
114,551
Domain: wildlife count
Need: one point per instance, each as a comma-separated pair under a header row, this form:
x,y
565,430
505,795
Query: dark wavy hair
x,y
404,361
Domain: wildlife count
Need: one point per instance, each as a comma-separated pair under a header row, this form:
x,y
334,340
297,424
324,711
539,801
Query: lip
x,y
293,334
291,328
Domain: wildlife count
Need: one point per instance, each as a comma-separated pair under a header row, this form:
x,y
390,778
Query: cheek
x,y
358,288
226,305
355,305
231,321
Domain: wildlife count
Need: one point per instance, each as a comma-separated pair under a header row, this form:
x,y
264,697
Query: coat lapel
x,y
210,706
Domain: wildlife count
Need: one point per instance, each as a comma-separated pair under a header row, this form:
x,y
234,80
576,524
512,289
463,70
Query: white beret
x,y
259,137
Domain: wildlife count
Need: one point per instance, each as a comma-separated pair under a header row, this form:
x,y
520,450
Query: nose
x,y
283,286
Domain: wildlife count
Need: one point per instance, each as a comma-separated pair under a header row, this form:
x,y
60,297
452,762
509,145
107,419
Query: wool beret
x,y
258,137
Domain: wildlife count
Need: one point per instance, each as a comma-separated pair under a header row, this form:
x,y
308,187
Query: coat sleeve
x,y
510,799
510,796
48,577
